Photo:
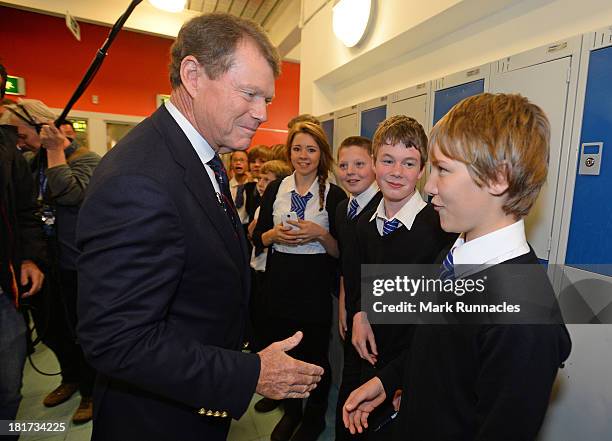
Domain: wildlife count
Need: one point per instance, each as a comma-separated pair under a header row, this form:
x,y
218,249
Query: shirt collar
x,y
365,196
406,214
493,248
291,185
202,147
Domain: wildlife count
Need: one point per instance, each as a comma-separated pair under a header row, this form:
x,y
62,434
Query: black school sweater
x,y
477,382
347,242
419,245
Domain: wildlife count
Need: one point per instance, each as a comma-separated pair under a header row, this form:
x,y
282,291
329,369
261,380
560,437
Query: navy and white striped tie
x,y
389,226
447,270
298,203
353,207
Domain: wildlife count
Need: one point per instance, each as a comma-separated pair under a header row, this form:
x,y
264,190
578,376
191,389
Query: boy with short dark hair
x,y
479,381
402,229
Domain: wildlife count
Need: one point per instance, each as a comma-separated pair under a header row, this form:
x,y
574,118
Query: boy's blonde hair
x,y
279,152
499,133
280,168
401,129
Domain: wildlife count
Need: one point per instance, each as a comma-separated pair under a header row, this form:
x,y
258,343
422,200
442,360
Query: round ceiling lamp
x,y
350,20
169,5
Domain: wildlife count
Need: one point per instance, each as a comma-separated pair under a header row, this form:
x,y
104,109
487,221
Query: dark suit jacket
x,y
480,382
163,293
20,227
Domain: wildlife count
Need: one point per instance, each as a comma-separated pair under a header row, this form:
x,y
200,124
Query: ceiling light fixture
x,y
169,5
350,20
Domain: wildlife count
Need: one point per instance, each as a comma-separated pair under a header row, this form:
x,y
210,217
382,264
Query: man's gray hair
x,y
212,39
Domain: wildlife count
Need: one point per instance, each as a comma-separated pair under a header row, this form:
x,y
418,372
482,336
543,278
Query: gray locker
x,y
547,77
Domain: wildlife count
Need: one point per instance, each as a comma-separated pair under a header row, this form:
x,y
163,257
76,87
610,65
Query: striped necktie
x,y
389,226
353,207
298,203
447,270
225,197
239,196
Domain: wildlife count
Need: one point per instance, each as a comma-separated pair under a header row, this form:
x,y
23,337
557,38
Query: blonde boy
x,y
489,158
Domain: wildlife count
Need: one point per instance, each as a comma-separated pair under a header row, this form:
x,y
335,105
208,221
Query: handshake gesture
x,y
284,377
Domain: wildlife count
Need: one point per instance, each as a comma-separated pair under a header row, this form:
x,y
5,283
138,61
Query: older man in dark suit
x,y
163,275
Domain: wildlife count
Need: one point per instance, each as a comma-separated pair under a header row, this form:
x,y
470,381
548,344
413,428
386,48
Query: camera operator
x,y
61,172
21,245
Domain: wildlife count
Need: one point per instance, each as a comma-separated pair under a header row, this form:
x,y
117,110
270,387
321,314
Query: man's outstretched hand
x,y
284,377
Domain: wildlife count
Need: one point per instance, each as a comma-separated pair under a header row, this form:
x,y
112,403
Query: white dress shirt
x,y
493,248
282,206
258,263
405,215
364,198
203,149
242,213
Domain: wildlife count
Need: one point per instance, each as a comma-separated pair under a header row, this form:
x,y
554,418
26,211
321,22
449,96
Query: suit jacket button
x,y
202,411
217,413
223,414
209,413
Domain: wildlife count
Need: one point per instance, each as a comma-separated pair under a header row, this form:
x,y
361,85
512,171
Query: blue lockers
x,y
370,120
590,237
445,99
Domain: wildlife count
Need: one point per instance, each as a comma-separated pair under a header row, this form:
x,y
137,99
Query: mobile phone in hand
x,y
291,216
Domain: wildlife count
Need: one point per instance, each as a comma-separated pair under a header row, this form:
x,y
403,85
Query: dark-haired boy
x,y
402,229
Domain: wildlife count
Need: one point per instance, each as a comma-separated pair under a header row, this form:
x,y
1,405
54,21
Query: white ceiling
x,y
279,17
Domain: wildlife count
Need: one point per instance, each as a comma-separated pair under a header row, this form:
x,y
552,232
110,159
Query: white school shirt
x,y
282,206
258,263
405,215
363,199
492,248
242,213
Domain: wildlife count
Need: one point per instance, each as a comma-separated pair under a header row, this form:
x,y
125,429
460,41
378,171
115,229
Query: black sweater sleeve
x,y
265,221
516,361
334,197
354,262
392,374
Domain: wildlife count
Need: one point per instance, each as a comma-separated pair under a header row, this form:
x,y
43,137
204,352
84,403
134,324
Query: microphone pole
x,y
97,61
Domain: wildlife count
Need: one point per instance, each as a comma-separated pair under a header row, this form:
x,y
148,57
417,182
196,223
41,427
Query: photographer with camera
x,y
61,171
21,245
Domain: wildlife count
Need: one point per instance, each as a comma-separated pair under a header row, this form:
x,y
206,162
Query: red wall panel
x,y
40,49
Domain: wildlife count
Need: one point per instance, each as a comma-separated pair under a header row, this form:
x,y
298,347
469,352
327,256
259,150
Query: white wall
x,y
412,42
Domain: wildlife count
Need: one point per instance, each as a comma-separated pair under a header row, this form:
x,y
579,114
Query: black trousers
x,y
312,349
351,380
54,312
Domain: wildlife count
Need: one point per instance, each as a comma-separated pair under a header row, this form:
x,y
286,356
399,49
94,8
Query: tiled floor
x,y
252,426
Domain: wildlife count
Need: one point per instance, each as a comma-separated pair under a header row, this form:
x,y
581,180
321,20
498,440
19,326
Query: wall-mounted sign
x,y
73,26
161,99
15,86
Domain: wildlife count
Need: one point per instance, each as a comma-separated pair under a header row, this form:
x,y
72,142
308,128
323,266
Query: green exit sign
x,y
15,85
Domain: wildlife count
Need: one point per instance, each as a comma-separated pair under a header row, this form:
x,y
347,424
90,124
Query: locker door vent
x,y
603,38
557,47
